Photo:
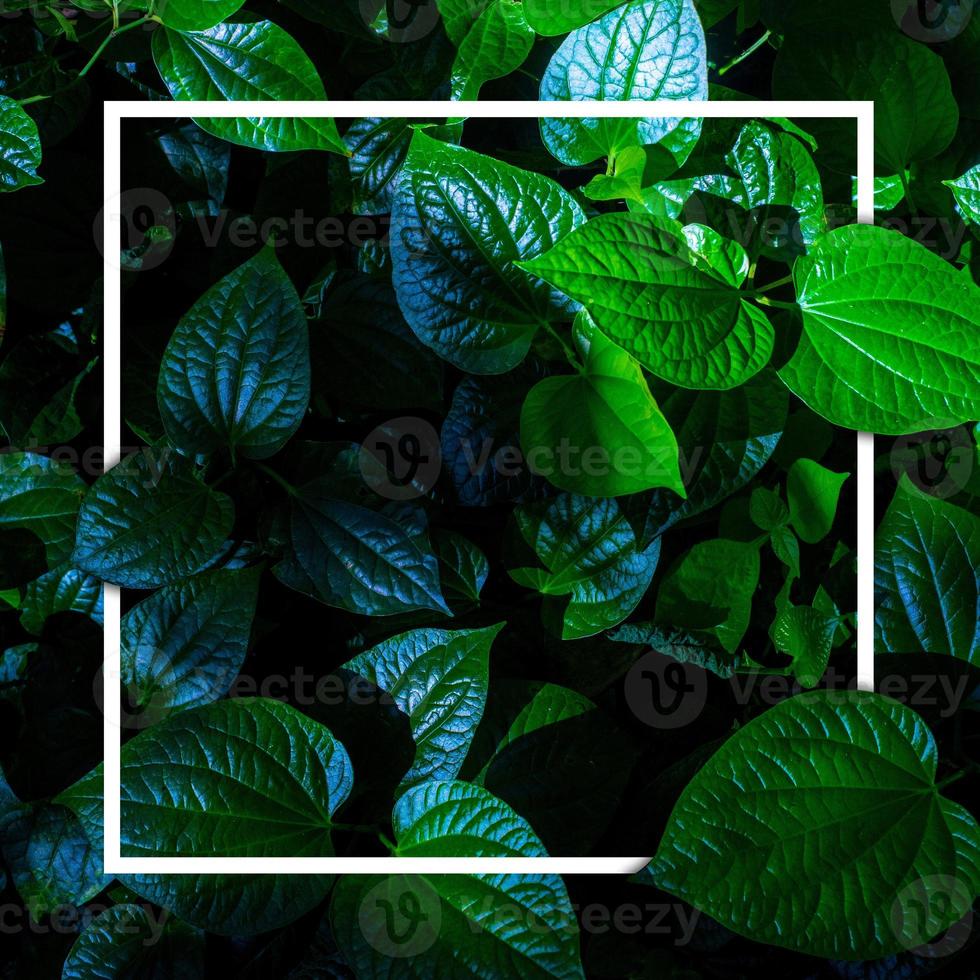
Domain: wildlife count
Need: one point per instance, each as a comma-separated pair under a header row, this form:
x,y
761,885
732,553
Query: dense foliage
x,y
490,489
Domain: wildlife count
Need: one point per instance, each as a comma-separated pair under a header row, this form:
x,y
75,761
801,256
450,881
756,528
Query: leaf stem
x,y
765,301
108,39
565,346
907,190
952,779
750,50
771,285
288,487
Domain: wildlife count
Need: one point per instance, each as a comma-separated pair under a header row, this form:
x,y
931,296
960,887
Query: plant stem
x,y
765,301
751,49
907,190
33,98
771,285
108,39
569,352
952,779
288,487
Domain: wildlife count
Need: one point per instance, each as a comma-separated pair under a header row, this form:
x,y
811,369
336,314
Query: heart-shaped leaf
x,y
236,373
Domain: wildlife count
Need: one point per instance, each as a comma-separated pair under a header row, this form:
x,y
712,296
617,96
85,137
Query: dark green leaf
x,y
590,555
127,939
236,372
20,147
439,679
183,646
927,552
150,521
827,803
460,222
183,792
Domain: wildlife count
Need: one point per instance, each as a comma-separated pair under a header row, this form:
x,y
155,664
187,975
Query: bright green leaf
x,y
599,432
247,62
655,297
888,334
20,147
813,492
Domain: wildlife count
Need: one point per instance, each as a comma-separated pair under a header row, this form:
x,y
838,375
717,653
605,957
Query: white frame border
x,y
114,113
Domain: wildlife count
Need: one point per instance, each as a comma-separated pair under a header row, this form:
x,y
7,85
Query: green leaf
x,y
63,589
460,222
463,569
827,805
711,589
184,645
813,492
497,43
807,635
725,439
194,15
20,147
230,905
786,547
42,496
696,647
518,709
357,559
455,819
767,509
150,521
51,861
247,62
927,552
183,792
654,296
364,353
378,147
552,17
236,372
776,169
884,322
645,50
439,679
505,925
590,555
599,432
915,112
128,939
966,190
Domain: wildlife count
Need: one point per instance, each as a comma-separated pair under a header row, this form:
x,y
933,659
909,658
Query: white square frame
x,y
114,114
